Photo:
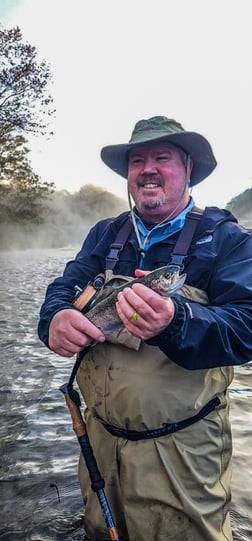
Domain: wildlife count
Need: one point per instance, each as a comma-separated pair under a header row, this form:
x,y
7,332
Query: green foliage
x,y
22,193
24,107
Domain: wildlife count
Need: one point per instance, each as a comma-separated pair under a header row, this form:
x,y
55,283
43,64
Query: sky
x,y
115,62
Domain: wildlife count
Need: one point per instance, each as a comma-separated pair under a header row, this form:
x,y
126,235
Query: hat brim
x,y
204,162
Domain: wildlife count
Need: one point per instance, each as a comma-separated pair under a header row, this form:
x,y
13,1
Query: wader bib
x,y
161,437
172,487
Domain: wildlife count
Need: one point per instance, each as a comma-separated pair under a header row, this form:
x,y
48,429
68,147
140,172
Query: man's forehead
x,y
155,146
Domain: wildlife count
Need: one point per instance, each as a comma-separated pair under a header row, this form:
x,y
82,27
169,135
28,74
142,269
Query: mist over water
x,y
37,236
63,221
40,495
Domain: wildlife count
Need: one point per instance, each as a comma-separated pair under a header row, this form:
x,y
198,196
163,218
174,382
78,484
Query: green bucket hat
x,y
160,128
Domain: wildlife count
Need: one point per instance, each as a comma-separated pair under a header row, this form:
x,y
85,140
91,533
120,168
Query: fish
x,y
103,314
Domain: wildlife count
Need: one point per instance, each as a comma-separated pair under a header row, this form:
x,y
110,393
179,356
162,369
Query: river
x,y
40,496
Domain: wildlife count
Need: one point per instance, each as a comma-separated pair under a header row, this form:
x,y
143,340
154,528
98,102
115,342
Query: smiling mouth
x,y
150,185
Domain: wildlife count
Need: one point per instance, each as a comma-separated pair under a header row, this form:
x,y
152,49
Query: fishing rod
x,y
73,403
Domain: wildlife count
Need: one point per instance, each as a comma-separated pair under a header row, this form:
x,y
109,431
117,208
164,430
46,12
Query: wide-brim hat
x,y
160,128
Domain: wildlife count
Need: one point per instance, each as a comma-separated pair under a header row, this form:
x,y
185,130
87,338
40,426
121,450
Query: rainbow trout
x,y
165,281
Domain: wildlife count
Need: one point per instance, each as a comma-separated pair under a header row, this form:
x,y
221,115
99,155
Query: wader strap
x,y
181,248
117,246
185,238
135,435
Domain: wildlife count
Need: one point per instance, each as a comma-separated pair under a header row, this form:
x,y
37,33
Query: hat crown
x,y
153,128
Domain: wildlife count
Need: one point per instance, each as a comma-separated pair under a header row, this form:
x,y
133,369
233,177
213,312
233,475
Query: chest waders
x,y
177,257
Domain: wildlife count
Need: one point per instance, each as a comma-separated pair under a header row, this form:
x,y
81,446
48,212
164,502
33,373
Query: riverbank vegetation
x,y
61,219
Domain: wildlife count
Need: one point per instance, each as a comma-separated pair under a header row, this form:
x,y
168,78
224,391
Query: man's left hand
x,y
143,311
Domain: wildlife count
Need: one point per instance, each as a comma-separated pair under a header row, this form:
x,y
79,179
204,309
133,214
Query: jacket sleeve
x,y
60,293
219,334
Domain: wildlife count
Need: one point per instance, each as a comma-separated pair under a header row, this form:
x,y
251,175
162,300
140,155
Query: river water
x,y
40,496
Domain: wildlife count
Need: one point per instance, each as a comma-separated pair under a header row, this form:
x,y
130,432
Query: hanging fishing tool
x,y
73,403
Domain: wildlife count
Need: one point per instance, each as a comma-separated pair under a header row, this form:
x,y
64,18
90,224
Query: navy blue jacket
x,y
219,262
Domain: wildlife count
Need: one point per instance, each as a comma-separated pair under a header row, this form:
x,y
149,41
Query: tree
x,y
24,98
22,193
25,107
94,202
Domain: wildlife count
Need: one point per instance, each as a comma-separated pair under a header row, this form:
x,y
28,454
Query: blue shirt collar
x,y
165,229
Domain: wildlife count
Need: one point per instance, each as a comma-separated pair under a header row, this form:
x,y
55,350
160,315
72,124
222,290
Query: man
x,y
176,485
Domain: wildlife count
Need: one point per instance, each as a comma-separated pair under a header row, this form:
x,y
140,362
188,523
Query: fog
x,y
64,220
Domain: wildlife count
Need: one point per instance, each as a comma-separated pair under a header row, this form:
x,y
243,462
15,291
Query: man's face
x,y
157,181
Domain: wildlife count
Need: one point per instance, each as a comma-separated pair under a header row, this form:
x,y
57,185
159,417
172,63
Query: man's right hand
x,y
70,332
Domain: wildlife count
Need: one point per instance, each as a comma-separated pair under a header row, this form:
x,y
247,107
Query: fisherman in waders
x,y
157,403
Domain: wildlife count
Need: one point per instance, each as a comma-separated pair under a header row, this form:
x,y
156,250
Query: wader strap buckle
x,y
135,435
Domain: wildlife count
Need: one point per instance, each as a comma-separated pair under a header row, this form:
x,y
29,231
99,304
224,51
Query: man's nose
x,y
149,166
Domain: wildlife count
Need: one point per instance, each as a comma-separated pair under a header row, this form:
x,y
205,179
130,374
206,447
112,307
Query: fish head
x,y
168,280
